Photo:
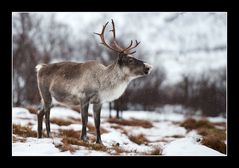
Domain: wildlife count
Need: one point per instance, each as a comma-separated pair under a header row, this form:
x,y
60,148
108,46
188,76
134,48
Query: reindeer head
x,y
131,66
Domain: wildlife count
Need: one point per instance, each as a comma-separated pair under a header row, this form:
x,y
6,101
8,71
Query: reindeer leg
x,y
97,110
47,122
84,117
46,100
40,116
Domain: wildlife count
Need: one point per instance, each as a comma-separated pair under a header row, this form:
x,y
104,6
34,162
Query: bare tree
x,y
34,41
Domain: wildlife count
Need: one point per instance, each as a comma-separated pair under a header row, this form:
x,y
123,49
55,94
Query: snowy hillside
x,y
167,133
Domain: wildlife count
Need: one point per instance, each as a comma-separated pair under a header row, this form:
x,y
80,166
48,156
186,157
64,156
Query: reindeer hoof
x,y
98,141
85,139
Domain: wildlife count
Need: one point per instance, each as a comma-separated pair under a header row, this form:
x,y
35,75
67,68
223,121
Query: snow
x,y
173,139
188,147
22,116
216,119
64,113
34,147
113,138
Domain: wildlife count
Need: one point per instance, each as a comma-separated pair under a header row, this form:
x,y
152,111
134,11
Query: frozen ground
x,y
164,134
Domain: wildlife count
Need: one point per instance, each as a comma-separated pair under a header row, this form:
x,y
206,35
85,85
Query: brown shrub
x,y
204,123
71,140
61,122
220,134
212,136
70,133
191,123
215,143
139,139
132,122
24,131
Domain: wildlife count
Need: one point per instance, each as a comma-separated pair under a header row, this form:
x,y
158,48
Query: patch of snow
x,y
64,113
159,131
34,147
86,152
112,138
217,119
188,147
22,116
19,111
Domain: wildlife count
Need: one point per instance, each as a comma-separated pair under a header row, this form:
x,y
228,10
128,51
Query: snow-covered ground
x,y
165,134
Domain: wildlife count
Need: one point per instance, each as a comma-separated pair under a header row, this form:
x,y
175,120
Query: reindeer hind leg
x,y
47,101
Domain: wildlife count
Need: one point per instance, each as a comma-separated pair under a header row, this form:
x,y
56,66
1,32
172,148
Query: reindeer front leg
x,y
97,110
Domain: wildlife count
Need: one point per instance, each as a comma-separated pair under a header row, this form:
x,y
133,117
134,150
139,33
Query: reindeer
x,y
77,84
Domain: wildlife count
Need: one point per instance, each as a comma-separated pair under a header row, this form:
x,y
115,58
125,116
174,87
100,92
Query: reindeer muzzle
x,y
147,68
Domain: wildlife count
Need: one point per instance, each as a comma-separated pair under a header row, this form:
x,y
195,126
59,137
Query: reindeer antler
x,y
116,47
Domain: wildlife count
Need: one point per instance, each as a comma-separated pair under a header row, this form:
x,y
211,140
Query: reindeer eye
x,y
130,61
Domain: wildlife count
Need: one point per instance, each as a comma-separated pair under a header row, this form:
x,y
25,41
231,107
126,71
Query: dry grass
x,y
214,142
139,139
118,150
218,133
71,137
191,123
23,131
175,136
66,147
132,122
92,146
98,147
156,151
61,122
18,139
212,136
70,133
116,127
71,140
75,120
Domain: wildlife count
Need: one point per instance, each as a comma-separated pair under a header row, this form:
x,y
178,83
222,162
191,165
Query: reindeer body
x,y
80,84
68,82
